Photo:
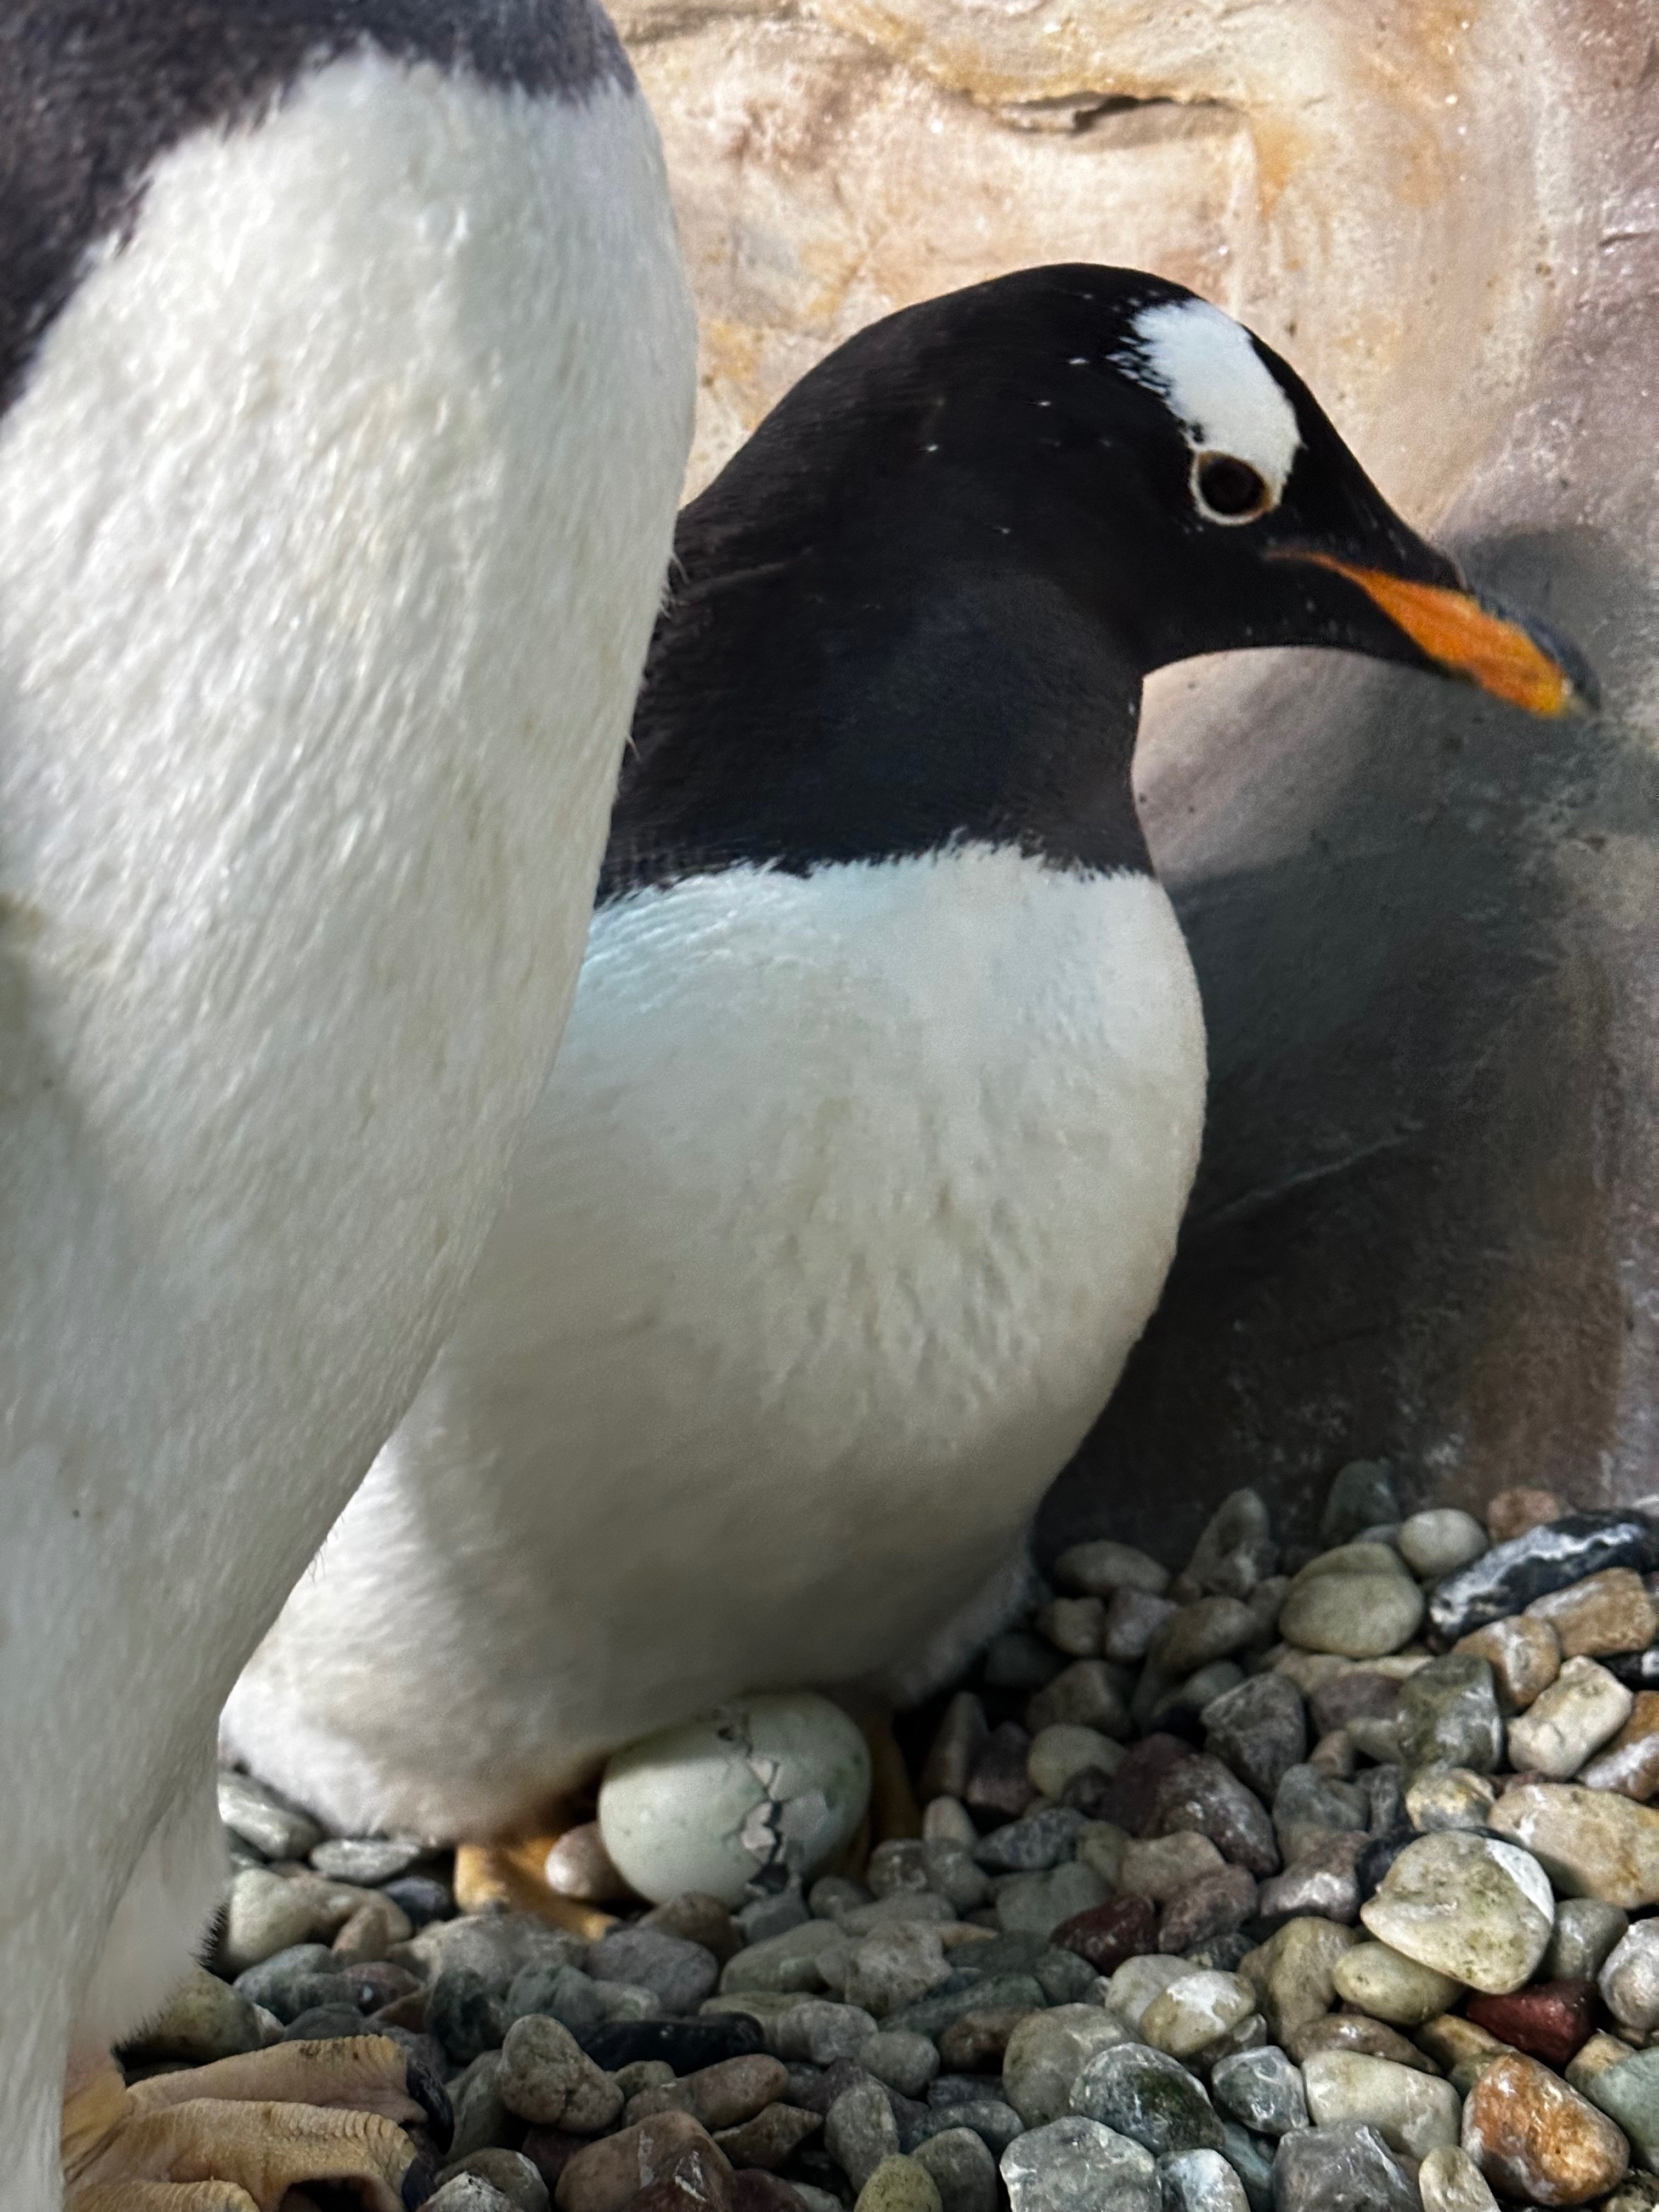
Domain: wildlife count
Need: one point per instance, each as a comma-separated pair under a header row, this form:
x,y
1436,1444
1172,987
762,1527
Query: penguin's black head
x,y
1144,449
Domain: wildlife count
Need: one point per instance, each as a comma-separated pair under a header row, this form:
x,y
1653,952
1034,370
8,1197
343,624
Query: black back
x,y
93,93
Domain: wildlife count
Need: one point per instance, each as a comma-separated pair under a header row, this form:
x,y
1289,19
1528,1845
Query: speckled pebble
x,y
1591,1842
1412,2112
1450,2181
1047,2052
963,2169
1580,1712
1196,2012
1263,2089
1534,2138
1340,2169
1200,2181
1448,1798
1148,2097
1478,1911
1077,2165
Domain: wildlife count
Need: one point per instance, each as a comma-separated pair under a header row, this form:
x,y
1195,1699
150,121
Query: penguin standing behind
x,y
346,371
862,1165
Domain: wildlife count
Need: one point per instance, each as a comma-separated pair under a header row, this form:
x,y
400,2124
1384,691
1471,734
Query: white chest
x,y
846,1201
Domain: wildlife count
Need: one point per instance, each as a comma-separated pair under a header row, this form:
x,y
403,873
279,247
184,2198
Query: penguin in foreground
x,y
862,1165
346,374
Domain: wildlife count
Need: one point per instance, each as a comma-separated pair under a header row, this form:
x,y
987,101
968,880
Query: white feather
x,y
1227,398
332,520
844,1204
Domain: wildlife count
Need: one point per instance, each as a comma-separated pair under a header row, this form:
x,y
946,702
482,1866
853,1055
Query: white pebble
x,y
1576,1715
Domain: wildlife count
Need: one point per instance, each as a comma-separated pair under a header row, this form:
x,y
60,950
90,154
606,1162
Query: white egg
x,y
767,1781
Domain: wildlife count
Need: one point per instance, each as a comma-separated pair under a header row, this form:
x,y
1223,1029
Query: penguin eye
x,y
1229,489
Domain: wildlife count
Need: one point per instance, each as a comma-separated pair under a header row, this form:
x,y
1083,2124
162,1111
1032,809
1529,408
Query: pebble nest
x,y
1288,1883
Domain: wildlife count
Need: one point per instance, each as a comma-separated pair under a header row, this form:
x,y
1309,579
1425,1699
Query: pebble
x,y
263,1818
1592,1843
1582,1709
1629,1982
1627,2090
685,2044
1361,1494
1037,1904
1448,1798
788,1962
1047,2053
687,1809
1512,1512
1216,1905
1355,1615
547,2078
469,2192
1364,1704
1450,2181
1263,2089
1340,2169
899,2184
998,1781
1201,1797
507,2175
1550,2020
1260,1731
770,2137
976,2041
1107,1934
1148,2097
1511,1576
1586,1932
1534,2138
1042,1840
1196,2012
961,1735
1448,1716
1439,1541
1308,1806
611,2172
1200,2181
905,2063
895,1967
1354,2031
1137,1982
859,2131
1629,1763
1380,1981
1195,1635
1064,1750
1073,1625
1604,1613
1133,1619
963,2169
1476,1910
1102,1567
1523,1655
1162,1867
1086,1694
1322,1881
1412,2112
1292,1973
204,2019
267,1912
578,1866
1077,2164
1460,2047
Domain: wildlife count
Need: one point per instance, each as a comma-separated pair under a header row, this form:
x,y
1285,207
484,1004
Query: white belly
x,y
846,1201
323,591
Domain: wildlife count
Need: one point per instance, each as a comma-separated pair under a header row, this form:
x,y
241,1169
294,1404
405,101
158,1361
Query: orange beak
x,y
1455,630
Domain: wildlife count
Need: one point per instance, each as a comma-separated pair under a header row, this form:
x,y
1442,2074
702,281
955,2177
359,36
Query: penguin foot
x,y
488,1876
244,2134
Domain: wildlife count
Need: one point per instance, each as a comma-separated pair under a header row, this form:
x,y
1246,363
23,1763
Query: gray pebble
x,y
466,2015
510,2175
832,1894
1309,1806
904,2061
1251,2157
963,2171
563,1993
204,2019
1361,1495
322,2023
1260,1729
1629,1981
1323,1883
1148,2097
281,1983
1236,1550
1201,1796
1065,1977
895,1967
1000,1992
679,1973
952,1874
366,1860
1032,1845
820,2031
859,2131
1200,2181
1077,2164
1036,1903
995,2123
773,1914
264,1818
1340,2169
492,1945
475,2098
1262,2090
899,1863
469,2192
1586,1931
1448,1716
1089,1693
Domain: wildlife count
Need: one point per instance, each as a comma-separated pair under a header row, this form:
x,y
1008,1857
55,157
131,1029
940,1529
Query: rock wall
x,y
1426,926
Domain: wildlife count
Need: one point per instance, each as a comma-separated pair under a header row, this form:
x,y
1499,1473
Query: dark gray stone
x,y
962,2168
1361,1495
1042,1840
1260,1729
1260,2089
282,1983
995,2123
679,1973
1448,1716
1308,1806
1148,2097
1340,2169
1200,1796
466,2015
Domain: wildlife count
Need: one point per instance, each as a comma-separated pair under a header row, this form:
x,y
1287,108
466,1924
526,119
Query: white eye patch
x,y
1226,397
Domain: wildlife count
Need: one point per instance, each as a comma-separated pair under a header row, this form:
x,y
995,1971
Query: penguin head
x,y
1169,471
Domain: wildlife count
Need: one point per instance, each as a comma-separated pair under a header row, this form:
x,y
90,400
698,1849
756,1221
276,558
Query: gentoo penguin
x,y
861,1165
346,371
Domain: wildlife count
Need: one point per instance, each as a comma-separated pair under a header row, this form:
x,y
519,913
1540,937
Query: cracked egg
x,y
758,1790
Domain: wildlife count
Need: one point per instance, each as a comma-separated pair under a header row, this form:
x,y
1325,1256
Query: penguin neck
x,y
821,709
